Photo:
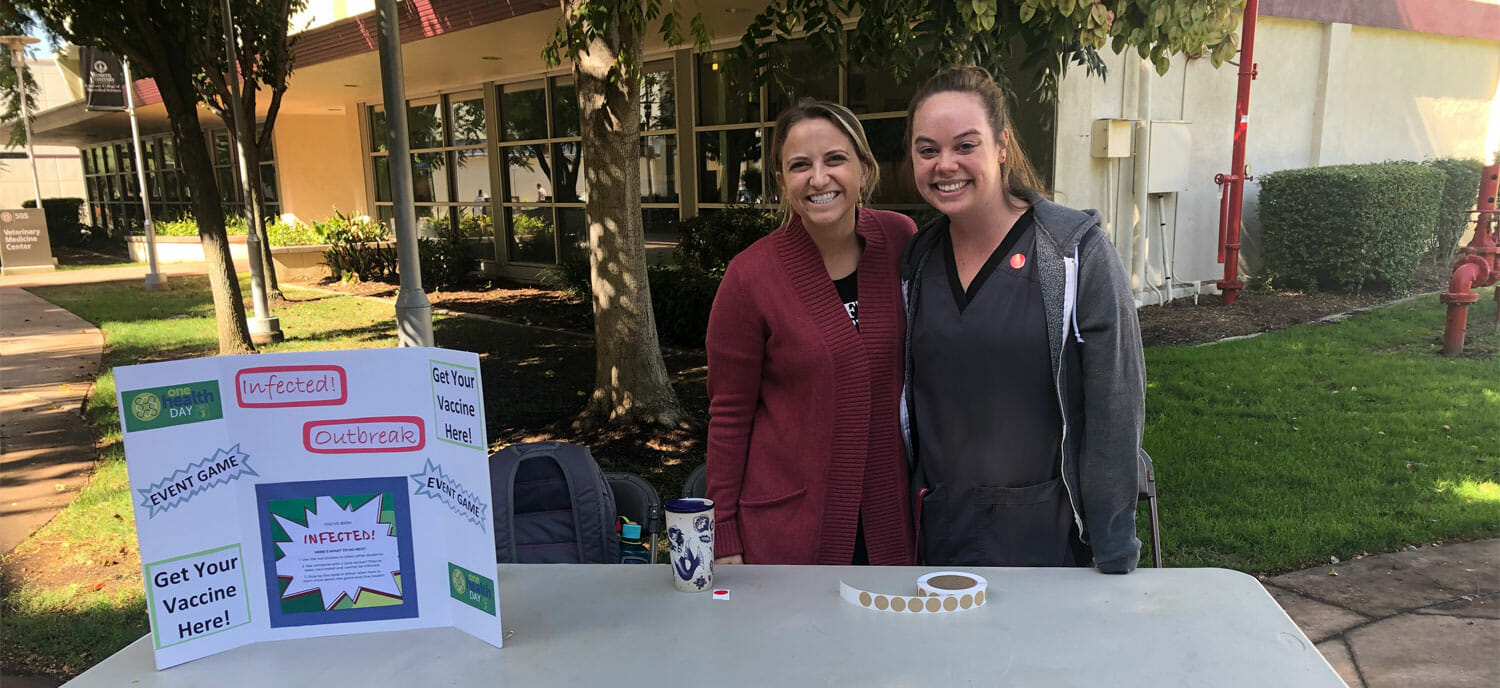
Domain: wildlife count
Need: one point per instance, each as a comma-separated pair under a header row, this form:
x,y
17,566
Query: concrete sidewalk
x,y
1428,616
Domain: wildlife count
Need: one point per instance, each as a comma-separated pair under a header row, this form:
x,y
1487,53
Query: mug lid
x,y
689,505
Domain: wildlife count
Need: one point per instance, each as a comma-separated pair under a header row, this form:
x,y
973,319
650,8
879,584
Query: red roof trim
x,y
1461,18
418,19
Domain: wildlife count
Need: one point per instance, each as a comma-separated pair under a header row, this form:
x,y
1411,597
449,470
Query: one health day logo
x,y
161,407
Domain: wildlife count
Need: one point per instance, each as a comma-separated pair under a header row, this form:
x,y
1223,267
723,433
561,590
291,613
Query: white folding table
x,y
620,625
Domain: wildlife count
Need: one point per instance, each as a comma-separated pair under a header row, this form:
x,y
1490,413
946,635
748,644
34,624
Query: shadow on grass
x,y
46,638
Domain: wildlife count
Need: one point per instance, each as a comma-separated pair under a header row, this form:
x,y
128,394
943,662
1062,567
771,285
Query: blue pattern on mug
x,y
687,561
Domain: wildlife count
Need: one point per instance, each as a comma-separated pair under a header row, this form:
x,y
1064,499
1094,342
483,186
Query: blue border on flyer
x,y
265,493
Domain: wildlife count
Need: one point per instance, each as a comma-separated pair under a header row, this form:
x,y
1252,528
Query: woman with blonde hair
x,y
1025,396
805,461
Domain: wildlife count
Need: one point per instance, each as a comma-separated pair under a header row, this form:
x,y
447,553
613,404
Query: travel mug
x,y
690,542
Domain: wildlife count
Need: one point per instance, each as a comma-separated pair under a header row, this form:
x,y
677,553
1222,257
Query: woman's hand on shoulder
x,y
731,559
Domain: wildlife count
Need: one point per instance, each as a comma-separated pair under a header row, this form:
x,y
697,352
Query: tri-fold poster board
x,y
296,495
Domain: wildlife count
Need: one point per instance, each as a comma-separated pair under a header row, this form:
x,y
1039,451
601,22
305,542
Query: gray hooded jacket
x,y
1099,372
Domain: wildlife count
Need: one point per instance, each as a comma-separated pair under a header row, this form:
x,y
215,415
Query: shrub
x,y
572,274
681,298
1460,191
283,233
1349,227
471,226
63,226
446,260
708,241
356,248
180,227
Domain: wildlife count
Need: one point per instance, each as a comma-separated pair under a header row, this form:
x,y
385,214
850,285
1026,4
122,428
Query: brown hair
x,y
1017,175
841,117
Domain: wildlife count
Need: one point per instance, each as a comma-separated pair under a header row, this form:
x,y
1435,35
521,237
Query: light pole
x,y
155,281
413,309
16,46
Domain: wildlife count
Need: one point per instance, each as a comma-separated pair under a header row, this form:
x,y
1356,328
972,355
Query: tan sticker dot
x,y
914,605
934,603
950,603
898,604
951,582
966,601
864,598
979,598
881,602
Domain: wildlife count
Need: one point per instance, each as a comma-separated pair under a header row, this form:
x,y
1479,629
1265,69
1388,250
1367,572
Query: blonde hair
x,y
841,117
1017,176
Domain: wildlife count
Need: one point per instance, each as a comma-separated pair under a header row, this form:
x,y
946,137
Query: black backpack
x,y
552,506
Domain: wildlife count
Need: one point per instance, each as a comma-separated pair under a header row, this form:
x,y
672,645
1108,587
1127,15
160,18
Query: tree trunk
x,y
630,378
175,85
256,214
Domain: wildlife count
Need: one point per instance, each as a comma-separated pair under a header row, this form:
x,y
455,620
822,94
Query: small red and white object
x,y
721,594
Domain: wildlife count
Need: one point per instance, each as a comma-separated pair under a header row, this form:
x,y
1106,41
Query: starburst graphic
x,y
225,466
339,553
433,482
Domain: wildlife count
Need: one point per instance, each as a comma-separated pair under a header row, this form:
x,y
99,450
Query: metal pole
x,y
1231,284
263,327
413,310
155,281
18,62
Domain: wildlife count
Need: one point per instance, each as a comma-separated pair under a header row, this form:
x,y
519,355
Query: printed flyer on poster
x,y
297,495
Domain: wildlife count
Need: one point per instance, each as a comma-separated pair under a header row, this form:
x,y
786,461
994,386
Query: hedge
x,y
63,227
1460,192
1349,228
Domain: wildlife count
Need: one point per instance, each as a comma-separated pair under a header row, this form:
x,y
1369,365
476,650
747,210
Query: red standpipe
x,y
1229,223
1479,266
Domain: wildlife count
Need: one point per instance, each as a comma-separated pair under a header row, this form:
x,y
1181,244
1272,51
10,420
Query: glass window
x,y
226,184
565,114
875,91
575,228
267,150
896,185
471,174
660,224
808,78
168,153
529,173
523,113
729,167
268,184
466,115
429,178
88,162
383,179
722,100
424,124
377,129
108,153
567,174
658,99
150,149
658,169
531,235
221,147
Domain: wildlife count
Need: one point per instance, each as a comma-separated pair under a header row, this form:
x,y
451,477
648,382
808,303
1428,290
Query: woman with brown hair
x,y
805,461
1025,395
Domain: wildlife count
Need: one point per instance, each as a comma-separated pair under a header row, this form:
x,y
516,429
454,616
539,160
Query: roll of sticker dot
x,y
937,593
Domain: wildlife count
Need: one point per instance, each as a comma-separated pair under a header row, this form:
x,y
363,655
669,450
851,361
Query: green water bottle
x,y
632,550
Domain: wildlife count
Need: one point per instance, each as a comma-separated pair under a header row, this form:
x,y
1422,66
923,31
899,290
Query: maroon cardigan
x,y
804,430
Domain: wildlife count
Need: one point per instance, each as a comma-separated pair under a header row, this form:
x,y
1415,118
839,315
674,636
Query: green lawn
x,y
1272,453
1276,452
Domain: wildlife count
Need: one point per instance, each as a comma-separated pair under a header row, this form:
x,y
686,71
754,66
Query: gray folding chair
x,y
638,501
696,484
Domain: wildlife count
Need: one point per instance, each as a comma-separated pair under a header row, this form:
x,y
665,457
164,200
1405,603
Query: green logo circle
x,y
459,584
146,406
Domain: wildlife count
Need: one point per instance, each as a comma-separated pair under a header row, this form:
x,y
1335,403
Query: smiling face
x,y
956,154
820,175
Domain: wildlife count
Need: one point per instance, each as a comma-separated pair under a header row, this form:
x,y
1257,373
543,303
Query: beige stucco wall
x,y
319,160
1326,94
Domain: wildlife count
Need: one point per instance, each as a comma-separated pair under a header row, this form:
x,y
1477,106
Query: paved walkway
x,y
1428,616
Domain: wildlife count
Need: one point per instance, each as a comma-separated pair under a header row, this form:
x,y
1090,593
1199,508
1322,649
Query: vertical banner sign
x,y
24,246
103,81
297,495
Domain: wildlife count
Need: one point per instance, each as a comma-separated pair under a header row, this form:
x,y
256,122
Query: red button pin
x,y
1018,261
